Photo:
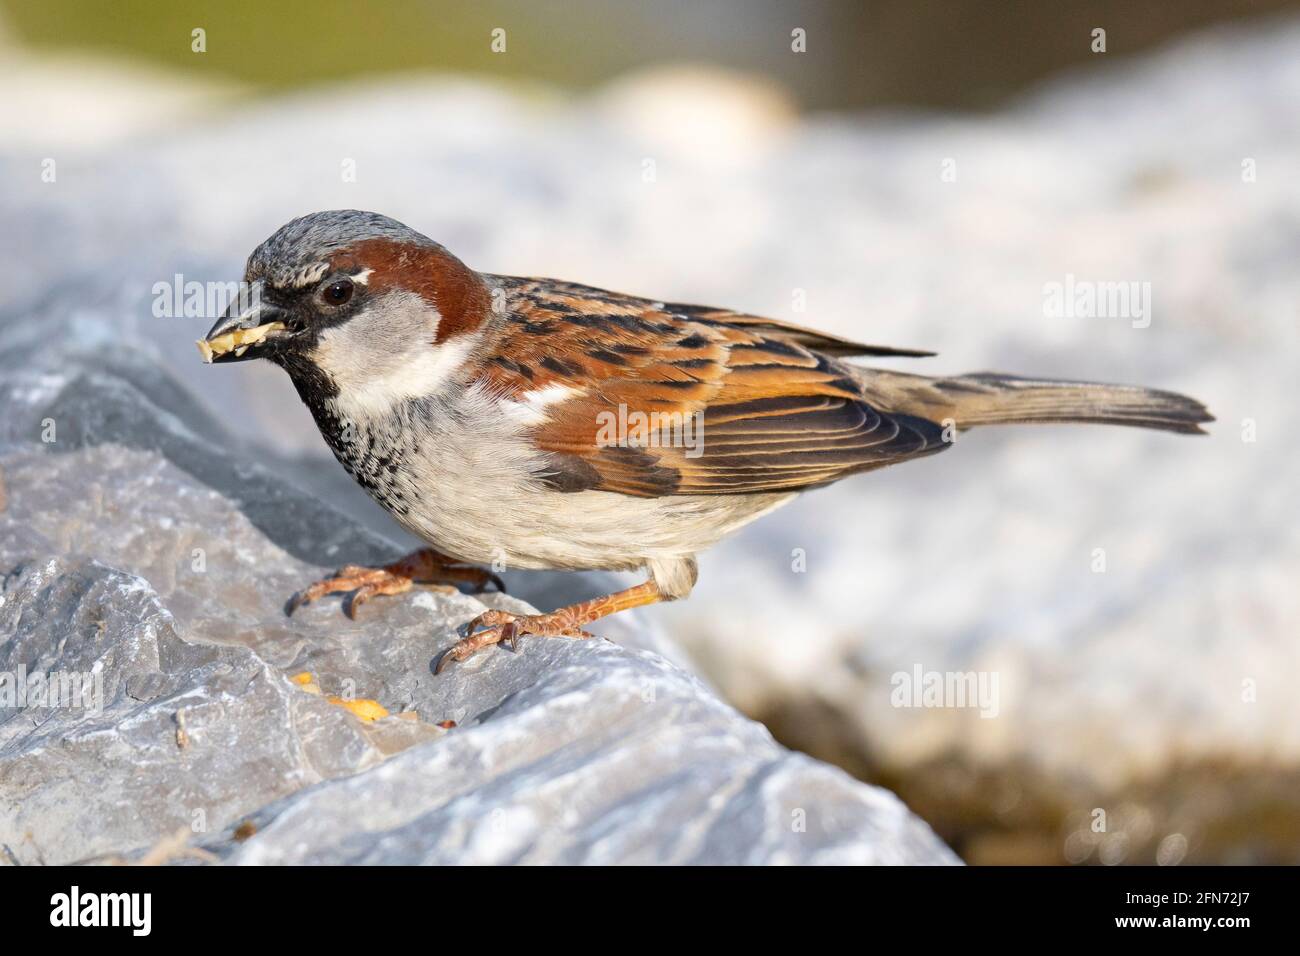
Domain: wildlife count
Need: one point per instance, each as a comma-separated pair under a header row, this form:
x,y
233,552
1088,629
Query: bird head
x,y
355,300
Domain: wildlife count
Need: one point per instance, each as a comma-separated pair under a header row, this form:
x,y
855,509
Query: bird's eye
x,y
338,292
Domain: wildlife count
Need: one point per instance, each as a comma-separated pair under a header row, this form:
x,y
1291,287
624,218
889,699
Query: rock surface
x,y
139,554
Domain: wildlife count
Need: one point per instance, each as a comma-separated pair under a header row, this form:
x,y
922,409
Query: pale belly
x,y
470,489
588,530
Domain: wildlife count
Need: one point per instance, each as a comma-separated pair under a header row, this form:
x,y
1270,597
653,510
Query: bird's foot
x,y
502,627
426,567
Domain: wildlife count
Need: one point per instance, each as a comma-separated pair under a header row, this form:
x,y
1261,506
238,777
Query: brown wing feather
x,y
786,331
731,403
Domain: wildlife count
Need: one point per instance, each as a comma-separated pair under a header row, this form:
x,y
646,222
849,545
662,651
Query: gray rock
x,y
144,558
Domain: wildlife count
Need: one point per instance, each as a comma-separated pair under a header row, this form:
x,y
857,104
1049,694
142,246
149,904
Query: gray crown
x,y
298,253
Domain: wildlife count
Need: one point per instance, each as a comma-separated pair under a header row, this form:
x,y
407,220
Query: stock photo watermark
x,y
1086,299
179,298
75,908
959,690
637,429
53,690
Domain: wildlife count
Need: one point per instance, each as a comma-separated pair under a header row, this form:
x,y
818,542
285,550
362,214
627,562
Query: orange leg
x,y
425,566
503,627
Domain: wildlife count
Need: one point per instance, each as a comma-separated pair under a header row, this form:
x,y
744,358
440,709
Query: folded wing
x,y
664,399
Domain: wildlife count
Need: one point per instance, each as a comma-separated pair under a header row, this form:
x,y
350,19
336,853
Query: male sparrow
x,y
546,424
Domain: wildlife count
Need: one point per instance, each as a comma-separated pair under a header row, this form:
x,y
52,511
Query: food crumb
x,y
307,681
363,707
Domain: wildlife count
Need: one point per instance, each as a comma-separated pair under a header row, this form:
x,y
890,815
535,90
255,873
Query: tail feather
x,y
987,398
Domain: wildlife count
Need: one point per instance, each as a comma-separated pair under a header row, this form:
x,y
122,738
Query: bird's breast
x,y
376,454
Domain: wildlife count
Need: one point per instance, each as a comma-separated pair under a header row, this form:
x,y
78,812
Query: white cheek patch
x,y
386,355
362,277
421,373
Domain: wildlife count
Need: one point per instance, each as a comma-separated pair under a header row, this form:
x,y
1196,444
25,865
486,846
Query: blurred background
x,y
917,174
965,54
941,53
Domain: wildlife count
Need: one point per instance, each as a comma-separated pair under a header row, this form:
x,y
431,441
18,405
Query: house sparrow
x,y
548,424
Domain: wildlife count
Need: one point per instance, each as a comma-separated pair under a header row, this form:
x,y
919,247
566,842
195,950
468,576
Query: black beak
x,y
243,332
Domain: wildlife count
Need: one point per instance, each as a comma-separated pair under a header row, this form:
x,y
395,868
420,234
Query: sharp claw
x,y
496,579
447,658
510,637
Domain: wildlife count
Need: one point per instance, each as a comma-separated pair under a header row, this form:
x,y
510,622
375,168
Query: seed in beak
x,y
237,341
